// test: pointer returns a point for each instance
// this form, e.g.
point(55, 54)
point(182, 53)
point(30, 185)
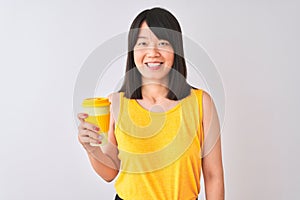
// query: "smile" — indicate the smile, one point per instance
point(154, 66)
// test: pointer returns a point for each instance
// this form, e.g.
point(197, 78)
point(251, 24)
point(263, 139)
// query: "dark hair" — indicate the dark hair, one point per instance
point(165, 26)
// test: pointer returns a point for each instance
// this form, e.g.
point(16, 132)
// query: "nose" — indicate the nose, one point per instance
point(153, 51)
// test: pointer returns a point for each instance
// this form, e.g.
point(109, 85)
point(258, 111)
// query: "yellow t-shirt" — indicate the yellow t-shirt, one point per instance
point(160, 152)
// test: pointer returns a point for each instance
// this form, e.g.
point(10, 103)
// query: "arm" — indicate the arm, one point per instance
point(104, 160)
point(212, 166)
point(106, 163)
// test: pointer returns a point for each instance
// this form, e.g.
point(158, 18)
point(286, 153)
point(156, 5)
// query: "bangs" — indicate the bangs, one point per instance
point(164, 26)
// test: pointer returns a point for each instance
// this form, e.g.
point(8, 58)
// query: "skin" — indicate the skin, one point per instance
point(212, 166)
point(150, 49)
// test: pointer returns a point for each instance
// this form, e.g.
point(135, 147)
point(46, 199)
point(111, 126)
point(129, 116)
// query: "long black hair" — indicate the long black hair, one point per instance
point(165, 26)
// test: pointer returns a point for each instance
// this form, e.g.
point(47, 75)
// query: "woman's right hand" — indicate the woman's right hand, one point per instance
point(87, 132)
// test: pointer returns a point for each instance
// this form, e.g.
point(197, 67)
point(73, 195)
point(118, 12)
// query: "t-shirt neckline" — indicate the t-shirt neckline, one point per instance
point(179, 104)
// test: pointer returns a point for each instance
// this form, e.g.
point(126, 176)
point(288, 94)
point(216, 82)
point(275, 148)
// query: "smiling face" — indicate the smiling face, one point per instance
point(153, 57)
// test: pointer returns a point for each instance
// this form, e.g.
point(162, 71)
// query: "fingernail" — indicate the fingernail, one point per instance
point(85, 115)
point(100, 137)
point(99, 142)
point(96, 129)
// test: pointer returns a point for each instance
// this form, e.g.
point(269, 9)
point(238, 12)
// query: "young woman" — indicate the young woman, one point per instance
point(162, 130)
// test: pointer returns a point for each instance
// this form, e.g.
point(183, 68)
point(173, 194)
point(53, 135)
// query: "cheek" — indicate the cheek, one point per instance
point(170, 58)
point(137, 55)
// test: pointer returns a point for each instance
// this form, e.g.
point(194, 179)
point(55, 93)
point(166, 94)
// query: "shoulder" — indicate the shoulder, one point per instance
point(207, 101)
point(203, 94)
point(112, 96)
point(210, 115)
point(207, 106)
point(114, 99)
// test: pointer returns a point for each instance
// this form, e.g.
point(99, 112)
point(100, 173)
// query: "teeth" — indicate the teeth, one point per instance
point(153, 64)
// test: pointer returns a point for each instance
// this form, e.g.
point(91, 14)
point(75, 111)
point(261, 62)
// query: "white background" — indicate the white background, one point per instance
point(43, 44)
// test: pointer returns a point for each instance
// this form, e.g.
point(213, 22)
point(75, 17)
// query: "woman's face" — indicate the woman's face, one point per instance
point(153, 57)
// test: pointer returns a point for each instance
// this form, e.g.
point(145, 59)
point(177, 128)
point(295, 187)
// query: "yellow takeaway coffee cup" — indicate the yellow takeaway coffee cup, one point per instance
point(98, 111)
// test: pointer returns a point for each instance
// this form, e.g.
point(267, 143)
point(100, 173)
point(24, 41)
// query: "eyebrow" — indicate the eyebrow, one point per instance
point(144, 37)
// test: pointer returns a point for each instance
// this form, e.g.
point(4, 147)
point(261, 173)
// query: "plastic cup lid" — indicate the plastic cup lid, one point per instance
point(95, 102)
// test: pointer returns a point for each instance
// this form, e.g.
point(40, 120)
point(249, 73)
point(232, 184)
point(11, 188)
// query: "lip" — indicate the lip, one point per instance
point(154, 62)
point(154, 68)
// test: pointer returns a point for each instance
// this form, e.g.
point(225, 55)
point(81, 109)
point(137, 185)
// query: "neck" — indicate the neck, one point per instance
point(154, 88)
point(154, 92)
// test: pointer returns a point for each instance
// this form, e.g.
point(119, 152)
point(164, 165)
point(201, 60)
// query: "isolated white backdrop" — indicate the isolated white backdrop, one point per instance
point(43, 44)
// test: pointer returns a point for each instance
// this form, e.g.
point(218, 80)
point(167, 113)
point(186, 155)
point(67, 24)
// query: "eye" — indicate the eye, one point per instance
point(142, 43)
point(164, 43)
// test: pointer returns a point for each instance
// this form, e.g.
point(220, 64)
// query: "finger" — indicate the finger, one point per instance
point(81, 127)
point(90, 134)
point(82, 116)
point(90, 140)
point(89, 126)
point(86, 125)
point(84, 133)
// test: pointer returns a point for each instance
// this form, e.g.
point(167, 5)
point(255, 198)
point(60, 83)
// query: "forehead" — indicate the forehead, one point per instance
point(145, 31)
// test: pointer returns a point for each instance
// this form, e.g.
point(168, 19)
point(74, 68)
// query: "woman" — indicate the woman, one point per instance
point(162, 130)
